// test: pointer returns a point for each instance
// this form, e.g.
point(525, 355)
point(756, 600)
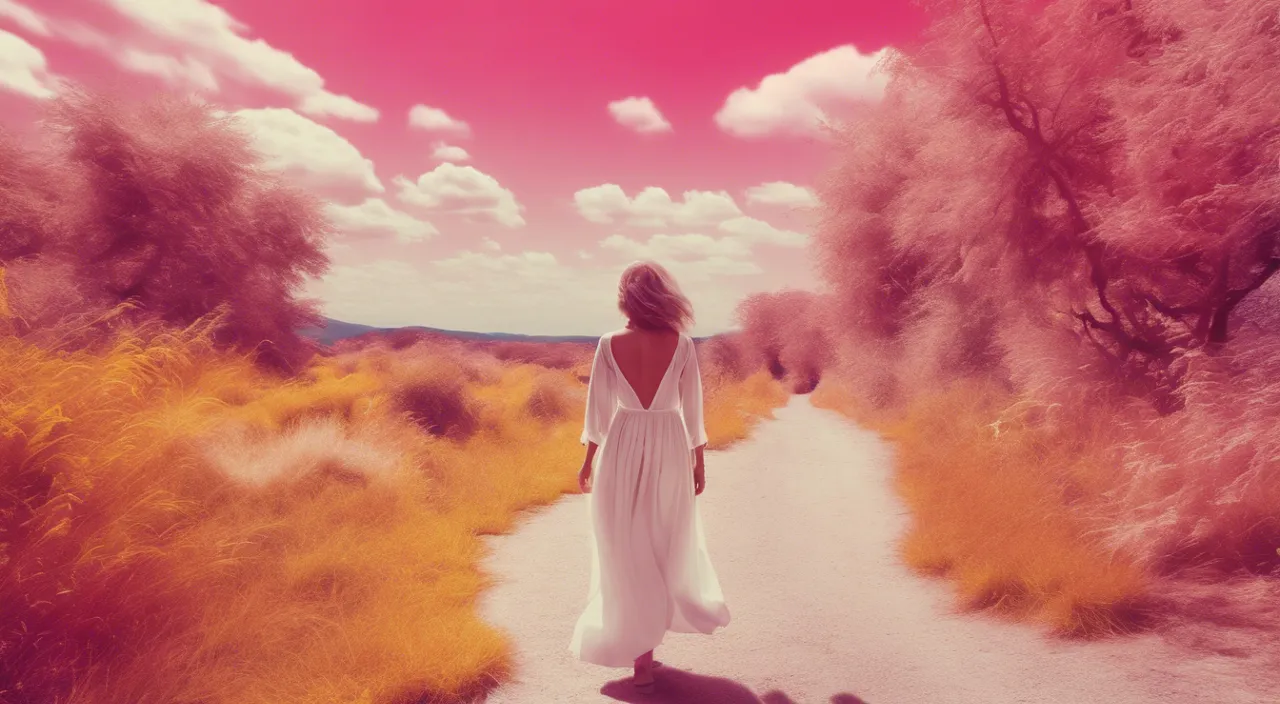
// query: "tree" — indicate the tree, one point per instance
point(165, 207)
point(786, 329)
point(1101, 164)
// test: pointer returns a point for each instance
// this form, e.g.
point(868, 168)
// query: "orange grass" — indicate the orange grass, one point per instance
point(996, 505)
point(180, 527)
point(733, 407)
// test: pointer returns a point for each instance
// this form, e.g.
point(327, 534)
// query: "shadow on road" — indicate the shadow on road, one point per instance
point(675, 686)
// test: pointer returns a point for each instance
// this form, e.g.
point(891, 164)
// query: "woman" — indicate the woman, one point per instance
point(650, 572)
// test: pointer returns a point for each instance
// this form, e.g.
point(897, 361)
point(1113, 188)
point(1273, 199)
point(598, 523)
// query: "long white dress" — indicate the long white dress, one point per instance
point(650, 571)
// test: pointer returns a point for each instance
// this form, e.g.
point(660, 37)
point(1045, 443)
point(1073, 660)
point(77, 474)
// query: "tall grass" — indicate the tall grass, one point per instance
point(739, 390)
point(1091, 523)
point(182, 526)
point(733, 408)
point(996, 507)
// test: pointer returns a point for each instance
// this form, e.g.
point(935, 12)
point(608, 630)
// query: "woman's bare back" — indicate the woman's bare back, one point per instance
point(643, 357)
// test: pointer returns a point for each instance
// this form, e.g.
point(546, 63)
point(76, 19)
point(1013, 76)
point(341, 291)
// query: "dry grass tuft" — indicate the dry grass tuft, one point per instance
point(552, 399)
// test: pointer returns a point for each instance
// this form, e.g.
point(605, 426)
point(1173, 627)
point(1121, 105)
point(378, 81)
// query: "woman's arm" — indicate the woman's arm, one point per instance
point(601, 402)
point(584, 474)
point(600, 399)
point(699, 471)
point(691, 403)
point(691, 400)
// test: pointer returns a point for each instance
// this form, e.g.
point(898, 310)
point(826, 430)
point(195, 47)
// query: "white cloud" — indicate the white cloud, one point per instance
point(432, 119)
point(668, 248)
point(782, 193)
point(639, 114)
point(798, 100)
point(86, 36)
point(307, 150)
point(449, 152)
point(689, 257)
point(755, 231)
point(374, 216)
point(490, 246)
point(23, 68)
point(525, 264)
point(462, 189)
point(523, 292)
point(205, 33)
point(171, 69)
point(653, 207)
point(526, 292)
point(709, 269)
point(25, 17)
point(335, 250)
point(182, 70)
point(343, 107)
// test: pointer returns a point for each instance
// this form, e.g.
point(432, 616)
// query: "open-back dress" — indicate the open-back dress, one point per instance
point(650, 571)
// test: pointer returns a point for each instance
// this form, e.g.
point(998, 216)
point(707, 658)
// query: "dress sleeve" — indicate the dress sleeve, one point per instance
point(691, 399)
point(602, 399)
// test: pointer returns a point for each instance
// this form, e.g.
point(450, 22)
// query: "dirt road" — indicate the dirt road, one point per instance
point(801, 526)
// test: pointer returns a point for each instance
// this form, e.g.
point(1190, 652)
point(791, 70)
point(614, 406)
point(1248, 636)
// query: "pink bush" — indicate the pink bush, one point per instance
point(162, 206)
point(728, 357)
point(554, 355)
point(786, 330)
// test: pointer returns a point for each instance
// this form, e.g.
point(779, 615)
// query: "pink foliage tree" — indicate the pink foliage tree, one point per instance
point(162, 206)
point(1080, 200)
point(785, 329)
point(1105, 166)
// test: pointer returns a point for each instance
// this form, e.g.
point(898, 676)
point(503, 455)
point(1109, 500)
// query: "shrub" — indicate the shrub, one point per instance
point(727, 357)
point(552, 399)
point(733, 408)
point(437, 402)
point(554, 355)
point(164, 206)
point(788, 330)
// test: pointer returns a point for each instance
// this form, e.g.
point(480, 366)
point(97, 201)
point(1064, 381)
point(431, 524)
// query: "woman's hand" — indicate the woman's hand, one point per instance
point(699, 478)
point(584, 474)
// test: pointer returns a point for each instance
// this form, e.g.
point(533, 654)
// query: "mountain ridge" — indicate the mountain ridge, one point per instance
point(334, 330)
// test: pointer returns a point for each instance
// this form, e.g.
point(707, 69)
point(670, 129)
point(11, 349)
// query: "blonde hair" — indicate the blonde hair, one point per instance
point(650, 297)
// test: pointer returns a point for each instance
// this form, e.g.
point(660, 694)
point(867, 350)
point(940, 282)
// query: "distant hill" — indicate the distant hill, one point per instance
point(335, 330)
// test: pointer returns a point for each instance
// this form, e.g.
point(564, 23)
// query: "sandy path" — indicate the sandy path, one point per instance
point(801, 525)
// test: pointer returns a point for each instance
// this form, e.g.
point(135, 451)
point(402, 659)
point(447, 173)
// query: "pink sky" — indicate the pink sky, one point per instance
point(510, 202)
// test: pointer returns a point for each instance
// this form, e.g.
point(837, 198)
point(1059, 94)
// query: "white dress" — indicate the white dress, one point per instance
point(650, 571)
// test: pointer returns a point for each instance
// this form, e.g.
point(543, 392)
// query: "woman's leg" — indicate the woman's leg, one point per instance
point(644, 668)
